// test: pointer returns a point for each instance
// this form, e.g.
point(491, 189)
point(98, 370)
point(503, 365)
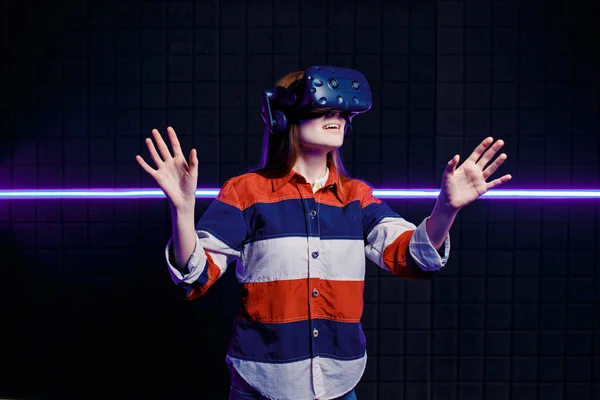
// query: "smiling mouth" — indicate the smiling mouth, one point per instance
point(330, 127)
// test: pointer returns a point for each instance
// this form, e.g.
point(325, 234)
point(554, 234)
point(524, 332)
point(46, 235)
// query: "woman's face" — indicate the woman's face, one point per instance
point(322, 133)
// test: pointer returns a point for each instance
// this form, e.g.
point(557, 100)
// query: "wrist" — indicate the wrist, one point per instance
point(182, 210)
point(442, 207)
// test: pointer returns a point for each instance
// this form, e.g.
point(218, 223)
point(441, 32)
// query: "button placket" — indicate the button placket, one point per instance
point(313, 236)
point(315, 267)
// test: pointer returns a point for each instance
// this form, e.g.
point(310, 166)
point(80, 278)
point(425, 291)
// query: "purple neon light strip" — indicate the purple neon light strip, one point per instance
point(212, 192)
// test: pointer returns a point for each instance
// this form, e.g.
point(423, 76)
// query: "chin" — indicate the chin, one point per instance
point(333, 139)
point(325, 146)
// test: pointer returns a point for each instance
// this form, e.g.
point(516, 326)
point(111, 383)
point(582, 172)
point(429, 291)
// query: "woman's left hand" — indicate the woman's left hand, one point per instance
point(463, 185)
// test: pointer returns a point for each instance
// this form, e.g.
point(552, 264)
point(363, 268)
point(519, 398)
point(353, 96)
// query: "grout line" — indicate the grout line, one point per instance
point(573, 81)
point(459, 274)
point(487, 206)
point(514, 211)
point(541, 225)
point(435, 130)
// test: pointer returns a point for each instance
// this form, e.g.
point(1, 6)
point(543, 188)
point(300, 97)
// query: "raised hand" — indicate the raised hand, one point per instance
point(177, 179)
point(463, 185)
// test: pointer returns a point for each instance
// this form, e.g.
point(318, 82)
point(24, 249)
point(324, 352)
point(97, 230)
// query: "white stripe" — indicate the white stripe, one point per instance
point(221, 254)
point(384, 233)
point(423, 252)
point(291, 258)
point(339, 376)
point(421, 249)
point(330, 378)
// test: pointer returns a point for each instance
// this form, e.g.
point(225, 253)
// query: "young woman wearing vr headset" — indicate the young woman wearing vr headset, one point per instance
point(299, 229)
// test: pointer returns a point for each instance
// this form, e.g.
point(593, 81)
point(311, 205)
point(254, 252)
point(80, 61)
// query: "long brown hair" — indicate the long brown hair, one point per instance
point(281, 151)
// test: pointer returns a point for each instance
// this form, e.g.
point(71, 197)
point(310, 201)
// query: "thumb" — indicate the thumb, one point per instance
point(451, 165)
point(194, 160)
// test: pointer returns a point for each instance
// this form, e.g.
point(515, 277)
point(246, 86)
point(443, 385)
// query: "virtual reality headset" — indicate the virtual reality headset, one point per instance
point(322, 90)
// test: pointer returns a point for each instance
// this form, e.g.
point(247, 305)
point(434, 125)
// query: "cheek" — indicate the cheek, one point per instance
point(309, 125)
point(310, 129)
point(316, 125)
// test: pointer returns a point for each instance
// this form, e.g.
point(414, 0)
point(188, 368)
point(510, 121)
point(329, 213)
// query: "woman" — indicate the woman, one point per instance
point(299, 229)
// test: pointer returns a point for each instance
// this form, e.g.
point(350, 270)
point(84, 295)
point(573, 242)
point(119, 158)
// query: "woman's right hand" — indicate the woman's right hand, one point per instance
point(177, 179)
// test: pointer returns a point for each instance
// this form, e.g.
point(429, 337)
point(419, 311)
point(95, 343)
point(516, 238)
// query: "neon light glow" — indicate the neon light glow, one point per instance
point(212, 192)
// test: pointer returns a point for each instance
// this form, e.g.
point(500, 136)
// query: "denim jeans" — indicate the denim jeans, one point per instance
point(241, 390)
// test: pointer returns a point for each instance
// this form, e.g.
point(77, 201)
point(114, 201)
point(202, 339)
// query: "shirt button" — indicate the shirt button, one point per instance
point(313, 213)
point(315, 254)
point(315, 333)
point(315, 293)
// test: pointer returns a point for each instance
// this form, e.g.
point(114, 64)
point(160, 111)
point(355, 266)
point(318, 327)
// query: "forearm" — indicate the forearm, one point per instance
point(439, 223)
point(184, 235)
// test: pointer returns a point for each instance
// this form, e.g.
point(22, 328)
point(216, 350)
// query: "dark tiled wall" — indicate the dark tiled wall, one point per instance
point(87, 305)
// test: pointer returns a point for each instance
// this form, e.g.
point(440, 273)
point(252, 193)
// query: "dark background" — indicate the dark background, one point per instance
point(88, 308)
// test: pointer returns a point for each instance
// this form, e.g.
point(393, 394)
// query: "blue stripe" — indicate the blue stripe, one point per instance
point(203, 278)
point(292, 218)
point(341, 222)
point(339, 340)
point(225, 222)
point(281, 343)
point(373, 214)
point(187, 288)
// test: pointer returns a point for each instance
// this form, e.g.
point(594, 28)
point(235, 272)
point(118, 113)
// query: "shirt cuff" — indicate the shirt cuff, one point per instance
point(423, 252)
point(193, 268)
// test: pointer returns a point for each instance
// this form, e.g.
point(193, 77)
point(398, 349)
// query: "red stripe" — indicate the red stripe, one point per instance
point(252, 188)
point(394, 257)
point(213, 274)
point(289, 300)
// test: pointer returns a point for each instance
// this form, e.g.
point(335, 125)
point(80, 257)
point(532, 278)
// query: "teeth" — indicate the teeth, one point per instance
point(331, 126)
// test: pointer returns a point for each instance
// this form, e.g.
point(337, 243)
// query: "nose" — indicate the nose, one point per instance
point(333, 114)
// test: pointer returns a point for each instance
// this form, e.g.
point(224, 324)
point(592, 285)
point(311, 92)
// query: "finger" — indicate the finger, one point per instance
point(490, 153)
point(499, 181)
point(145, 165)
point(479, 150)
point(162, 146)
point(174, 142)
point(451, 165)
point(194, 160)
point(153, 153)
point(494, 166)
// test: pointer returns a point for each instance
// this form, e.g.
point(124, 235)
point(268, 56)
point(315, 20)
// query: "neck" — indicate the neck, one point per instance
point(311, 165)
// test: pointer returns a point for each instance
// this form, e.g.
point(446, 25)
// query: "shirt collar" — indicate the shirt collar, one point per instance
point(331, 179)
point(319, 183)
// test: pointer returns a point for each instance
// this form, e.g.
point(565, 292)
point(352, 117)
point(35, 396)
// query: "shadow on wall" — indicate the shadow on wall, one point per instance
point(32, 90)
point(90, 334)
point(13, 302)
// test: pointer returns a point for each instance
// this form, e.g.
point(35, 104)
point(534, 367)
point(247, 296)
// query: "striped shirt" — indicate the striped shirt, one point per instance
point(300, 260)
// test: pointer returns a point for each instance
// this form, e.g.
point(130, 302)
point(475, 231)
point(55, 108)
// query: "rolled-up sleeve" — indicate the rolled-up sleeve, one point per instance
point(220, 233)
point(193, 268)
point(398, 245)
point(422, 251)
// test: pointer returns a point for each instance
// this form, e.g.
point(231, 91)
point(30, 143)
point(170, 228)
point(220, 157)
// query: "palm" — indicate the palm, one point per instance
point(463, 185)
point(177, 179)
point(174, 175)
